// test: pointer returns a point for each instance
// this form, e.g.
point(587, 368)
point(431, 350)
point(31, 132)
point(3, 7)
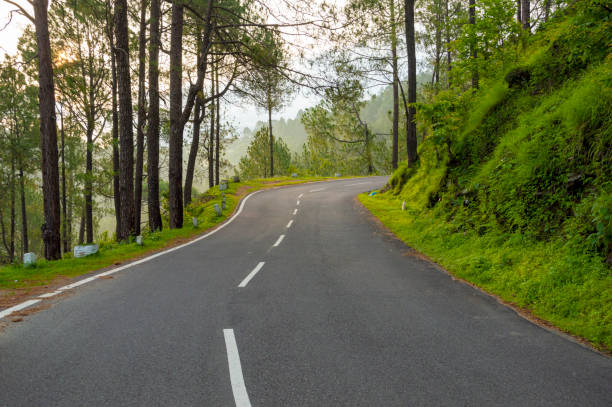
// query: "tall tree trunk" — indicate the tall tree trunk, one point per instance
point(175, 170)
point(395, 131)
point(3, 230)
point(115, 136)
point(473, 47)
point(525, 15)
point(91, 117)
point(12, 192)
point(411, 134)
point(271, 135)
point(142, 43)
point(438, 44)
point(217, 129)
point(449, 65)
point(64, 210)
point(368, 149)
point(70, 206)
point(519, 14)
point(126, 138)
point(155, 221)
point(48, 134)
point(82, 227)
point(546, 10)
point(198, 114)
point(89, 185)
point(211, 139)
point(24, 215)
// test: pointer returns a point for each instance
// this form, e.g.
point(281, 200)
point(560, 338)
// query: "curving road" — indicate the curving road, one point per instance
point(335, 313)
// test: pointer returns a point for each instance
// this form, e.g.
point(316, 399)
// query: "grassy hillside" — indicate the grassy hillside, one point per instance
point(513, 191)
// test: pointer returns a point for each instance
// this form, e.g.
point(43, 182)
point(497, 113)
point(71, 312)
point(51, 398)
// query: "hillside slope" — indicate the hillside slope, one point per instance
point(513, 191)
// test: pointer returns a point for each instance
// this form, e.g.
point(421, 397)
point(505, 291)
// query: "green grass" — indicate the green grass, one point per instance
point(570, 289)
point(17, 277)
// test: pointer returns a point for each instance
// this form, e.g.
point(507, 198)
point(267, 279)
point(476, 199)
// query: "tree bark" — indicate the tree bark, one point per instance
point(12, 192)
point(70, 206)
point(217, 129)
point(126, 137)
point(64, 209)
point(3, 230)
point(525, 15)
point(155, 221)
point(395, 131)
point(411, 132)
point(518, 11)
point(142, 43)
point(48, 134)
point(89, 182)
point(271, 135)
point(24, 217)
point(368, 149)
point(449, 65)
point(198, 114)
point(473, 48)
point(82, 228)
point(438, 44)
point(211, 139)
point(175, 171)
point(115, 135)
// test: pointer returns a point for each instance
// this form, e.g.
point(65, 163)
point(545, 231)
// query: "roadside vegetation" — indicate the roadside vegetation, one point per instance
point(513, 188)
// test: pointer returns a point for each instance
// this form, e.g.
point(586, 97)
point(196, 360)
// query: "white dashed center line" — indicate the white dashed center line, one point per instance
point(280, 239)
point(241, 396)
point(290, 223)
point(295, 211)
point(251, 275)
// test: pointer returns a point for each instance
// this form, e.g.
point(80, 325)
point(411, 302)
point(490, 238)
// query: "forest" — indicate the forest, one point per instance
point(492, 115)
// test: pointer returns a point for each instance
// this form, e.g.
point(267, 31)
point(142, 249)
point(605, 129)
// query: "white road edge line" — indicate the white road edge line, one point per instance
point(295, 211)
point(317, 190)
point(251, 275)
point(241, 396)
point(18, 307)
point(29, 303)
point(280, 239)
point(358, 183)
point(49, 295)
point(290, 223)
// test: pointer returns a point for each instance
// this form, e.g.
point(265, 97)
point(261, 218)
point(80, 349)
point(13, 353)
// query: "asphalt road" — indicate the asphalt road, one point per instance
point(339, 314)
